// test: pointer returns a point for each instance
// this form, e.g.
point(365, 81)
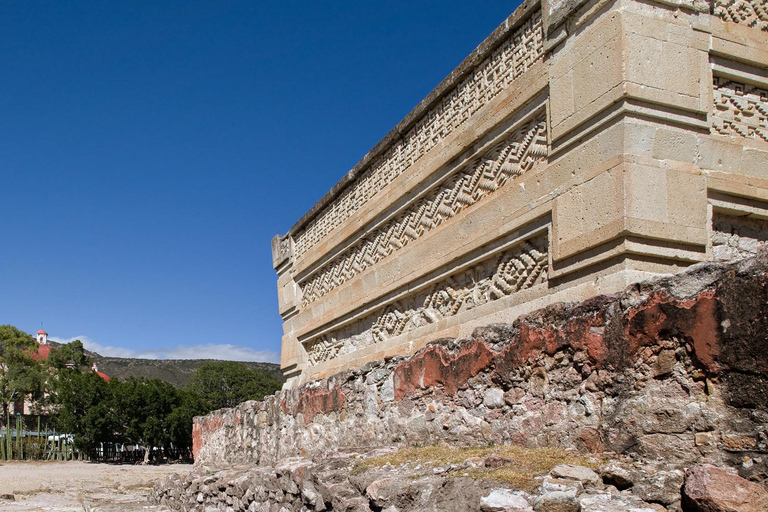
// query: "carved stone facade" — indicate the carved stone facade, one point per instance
point(577, 150)
point(753, 13)
point(740, 109)
point(501, 275)
point(514, 155)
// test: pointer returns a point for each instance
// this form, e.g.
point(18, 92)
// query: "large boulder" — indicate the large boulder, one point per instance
point(712, 489)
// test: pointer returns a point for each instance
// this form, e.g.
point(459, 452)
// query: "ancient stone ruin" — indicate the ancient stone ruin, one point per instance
point(496, 272)
point(581, 147)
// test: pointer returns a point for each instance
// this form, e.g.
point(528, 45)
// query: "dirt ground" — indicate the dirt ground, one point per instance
point(80, 486)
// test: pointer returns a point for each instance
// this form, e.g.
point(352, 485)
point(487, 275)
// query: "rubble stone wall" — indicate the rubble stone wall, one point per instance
point(671, 368)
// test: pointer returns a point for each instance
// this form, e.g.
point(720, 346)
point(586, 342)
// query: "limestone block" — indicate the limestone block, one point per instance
point(674, 144)
point(588, 214)
point(287, 293)
point(663, 71)
point(754, 163)
point(630, 200)
point(291, 352)
point(585, 71)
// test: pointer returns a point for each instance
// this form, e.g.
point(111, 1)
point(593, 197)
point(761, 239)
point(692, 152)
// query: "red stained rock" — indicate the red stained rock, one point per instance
point(202, 428)
point(663, 316)
point(591, 439)
point(711, 489)
point(319, 401)
point(436, 367)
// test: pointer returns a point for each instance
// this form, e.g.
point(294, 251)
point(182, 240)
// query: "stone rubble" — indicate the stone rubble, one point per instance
point(334, 483)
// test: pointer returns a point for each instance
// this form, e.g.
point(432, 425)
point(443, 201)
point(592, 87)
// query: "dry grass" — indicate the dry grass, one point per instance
point(518, 465)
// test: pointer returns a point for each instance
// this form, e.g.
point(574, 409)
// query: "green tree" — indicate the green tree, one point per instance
point(71, 356)
point(20, 374)
point(227, 383)
point(179, 422)
point(144, 406)
point(86, 408)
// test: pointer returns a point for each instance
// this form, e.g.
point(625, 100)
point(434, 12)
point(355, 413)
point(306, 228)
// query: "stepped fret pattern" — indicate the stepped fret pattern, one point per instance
point(513, 156)
point(753, 13)
point(740, 109)
point(504, 274)
point(524, 47)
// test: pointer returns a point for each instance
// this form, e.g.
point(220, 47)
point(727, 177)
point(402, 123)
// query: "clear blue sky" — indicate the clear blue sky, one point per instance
point(149, 151)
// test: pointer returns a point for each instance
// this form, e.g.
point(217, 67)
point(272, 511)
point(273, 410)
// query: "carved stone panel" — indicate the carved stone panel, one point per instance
point(511, 157)
point(500, 275)
point(753, 13)
point(740, 109)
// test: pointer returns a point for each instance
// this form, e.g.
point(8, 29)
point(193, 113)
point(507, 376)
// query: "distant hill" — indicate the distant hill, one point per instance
point(175, 371)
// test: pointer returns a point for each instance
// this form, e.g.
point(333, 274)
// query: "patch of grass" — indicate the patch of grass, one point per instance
point(517, 465)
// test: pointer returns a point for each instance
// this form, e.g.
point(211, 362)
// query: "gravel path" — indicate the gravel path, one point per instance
point(80, 486)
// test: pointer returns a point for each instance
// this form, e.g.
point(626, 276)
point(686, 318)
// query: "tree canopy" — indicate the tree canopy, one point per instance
point(227, 384)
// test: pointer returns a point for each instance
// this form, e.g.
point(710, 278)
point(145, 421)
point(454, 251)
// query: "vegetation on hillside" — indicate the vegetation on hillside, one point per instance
point(134, 411)
point(174, 371)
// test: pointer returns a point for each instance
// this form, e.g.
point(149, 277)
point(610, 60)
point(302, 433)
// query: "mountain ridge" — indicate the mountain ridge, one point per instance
point(177, 372)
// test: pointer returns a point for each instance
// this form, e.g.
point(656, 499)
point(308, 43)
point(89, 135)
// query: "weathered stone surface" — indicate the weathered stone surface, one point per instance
point(580, 375)
point(712, 489)
point(505, 500)
point(606, 502)
point(556, 501)
point(618, 476)
point(660, 487)
point(578, 473)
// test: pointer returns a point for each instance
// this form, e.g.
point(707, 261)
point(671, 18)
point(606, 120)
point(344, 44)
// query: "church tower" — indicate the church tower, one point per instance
point(42, 337)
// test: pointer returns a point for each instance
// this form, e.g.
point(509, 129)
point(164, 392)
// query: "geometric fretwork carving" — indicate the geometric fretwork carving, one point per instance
point(503, 274)
point(740, 109)
point(515, 154)
point(753, 13)
point(516, 54)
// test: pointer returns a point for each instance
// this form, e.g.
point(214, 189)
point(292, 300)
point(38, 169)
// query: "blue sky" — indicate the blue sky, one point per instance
point(149, 151)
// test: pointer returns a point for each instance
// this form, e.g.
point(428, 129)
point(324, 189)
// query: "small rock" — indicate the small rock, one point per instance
point(556, 501)
point(493, 398)
point(711, 489)
point(572, 487)
point(614, 503)
point(573, 472)
point(388, 389)
point(618, 476)
point(504, 500)
point(665, 363)
point(660, 487)
point(7, 497)
point(475, 462)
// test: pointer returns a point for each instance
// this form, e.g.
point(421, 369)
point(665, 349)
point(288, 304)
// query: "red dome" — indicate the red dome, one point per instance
point(41, 332)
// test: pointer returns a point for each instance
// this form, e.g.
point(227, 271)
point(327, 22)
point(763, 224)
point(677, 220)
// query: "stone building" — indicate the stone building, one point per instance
point(584, 145)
